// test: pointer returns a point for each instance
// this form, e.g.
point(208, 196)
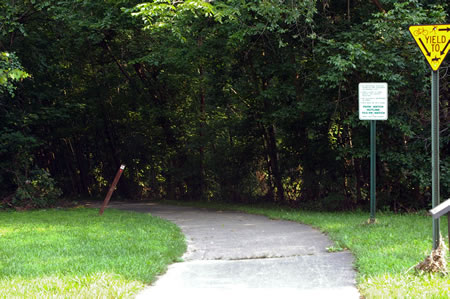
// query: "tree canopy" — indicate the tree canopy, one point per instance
point(227, 100)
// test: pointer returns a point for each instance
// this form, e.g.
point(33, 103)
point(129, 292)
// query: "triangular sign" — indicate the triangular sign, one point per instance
point(433, 41)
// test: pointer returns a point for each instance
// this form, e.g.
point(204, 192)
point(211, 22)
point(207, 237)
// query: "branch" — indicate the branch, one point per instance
point(378, 4)
point(119, 65)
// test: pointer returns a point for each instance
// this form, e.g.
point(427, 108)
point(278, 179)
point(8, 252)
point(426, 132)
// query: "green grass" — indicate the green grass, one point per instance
point(75, 253)
point(385, 252)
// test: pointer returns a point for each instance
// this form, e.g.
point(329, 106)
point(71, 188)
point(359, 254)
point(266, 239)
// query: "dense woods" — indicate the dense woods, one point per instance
point(227, 100)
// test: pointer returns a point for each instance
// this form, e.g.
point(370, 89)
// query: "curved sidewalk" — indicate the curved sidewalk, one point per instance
point(242, 255)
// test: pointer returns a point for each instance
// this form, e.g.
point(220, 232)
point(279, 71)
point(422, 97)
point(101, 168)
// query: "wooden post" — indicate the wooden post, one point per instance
point(111, 189)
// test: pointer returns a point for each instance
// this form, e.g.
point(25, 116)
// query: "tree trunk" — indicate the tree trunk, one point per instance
point(272, 153)
point(202, 128)
point(356, 165)
point(83, 169)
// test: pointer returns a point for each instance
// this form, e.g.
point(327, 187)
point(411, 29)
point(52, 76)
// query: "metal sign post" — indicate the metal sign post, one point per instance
point(373, 168)
point(434, 43)
point(373, 106)
point(435, 192)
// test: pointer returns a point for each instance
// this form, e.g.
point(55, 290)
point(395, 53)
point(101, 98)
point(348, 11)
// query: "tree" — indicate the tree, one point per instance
point(220, 100)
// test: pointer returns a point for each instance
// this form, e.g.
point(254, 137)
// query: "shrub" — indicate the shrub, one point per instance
point(37, 191)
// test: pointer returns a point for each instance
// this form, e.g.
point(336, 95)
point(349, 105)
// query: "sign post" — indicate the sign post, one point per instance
point(434, 42)
point(373, 169)
point(435, 192)
point(373, 106)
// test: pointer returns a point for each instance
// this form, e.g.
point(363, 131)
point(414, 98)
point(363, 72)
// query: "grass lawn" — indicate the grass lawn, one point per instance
point(384, 252)
point(75, 253)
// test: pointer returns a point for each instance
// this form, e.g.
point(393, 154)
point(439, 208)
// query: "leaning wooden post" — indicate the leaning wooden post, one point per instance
point(112, 188)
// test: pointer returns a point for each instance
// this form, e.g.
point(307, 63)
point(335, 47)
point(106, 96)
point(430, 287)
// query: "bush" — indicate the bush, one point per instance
point(37, 191)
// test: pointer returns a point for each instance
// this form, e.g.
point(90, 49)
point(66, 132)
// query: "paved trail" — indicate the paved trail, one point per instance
point(232, 254)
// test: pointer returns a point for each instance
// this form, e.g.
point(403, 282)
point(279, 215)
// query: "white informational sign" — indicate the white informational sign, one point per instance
point(373, 101)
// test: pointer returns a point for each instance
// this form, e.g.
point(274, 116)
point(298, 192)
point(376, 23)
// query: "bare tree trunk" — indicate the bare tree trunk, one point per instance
point(356, 164)
point(348, 10)
point(83, 169)
point(202, 128)
point(272, 152)
point(270, 177)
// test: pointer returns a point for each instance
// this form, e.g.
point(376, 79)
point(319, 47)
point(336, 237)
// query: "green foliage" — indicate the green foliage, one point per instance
point(230, 100)
point(377, 48)
point(37, 191)
point(10, 72)
point(75, 252)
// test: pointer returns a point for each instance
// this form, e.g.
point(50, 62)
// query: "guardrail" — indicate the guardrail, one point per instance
point(440, 210)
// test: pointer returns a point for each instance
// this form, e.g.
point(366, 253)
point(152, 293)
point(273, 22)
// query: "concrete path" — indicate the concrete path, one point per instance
point(243, 256)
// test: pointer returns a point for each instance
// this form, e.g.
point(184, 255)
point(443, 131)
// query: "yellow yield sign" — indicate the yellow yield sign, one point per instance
point(433, 41)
